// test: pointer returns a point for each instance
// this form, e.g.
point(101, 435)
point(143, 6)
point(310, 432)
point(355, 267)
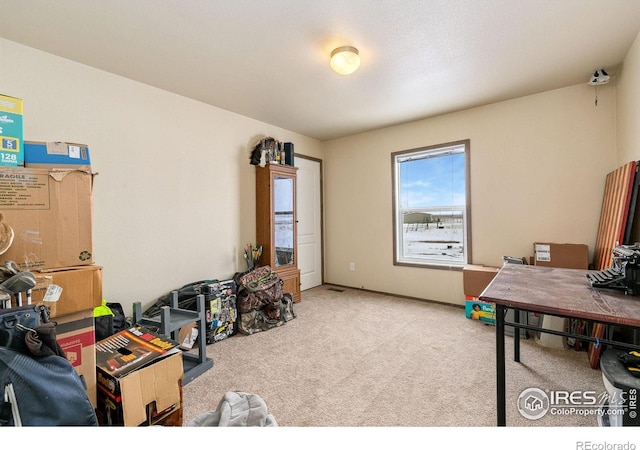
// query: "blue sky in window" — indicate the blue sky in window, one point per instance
point(429, 182)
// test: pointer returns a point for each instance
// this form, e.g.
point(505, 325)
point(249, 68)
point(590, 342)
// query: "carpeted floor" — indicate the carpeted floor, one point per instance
point(353, 358)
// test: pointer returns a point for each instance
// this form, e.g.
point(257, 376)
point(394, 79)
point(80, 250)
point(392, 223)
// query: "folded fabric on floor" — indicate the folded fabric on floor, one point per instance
point(237, 409)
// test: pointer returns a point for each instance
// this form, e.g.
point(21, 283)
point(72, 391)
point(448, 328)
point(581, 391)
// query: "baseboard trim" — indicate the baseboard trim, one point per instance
point(408, 297)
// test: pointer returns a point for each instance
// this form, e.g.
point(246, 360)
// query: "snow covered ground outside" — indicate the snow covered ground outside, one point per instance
point(444, 243)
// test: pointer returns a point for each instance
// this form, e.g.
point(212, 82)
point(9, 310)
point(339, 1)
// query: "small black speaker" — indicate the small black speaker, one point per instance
point(288, 153)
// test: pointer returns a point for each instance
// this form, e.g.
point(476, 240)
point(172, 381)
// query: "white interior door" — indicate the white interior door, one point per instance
point(309, 199)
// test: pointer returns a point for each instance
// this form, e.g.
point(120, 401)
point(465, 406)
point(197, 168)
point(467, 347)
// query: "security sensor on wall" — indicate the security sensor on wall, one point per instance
point(599, 77)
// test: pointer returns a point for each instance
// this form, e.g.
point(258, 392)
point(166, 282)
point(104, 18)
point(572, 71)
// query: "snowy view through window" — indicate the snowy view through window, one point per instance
point(440, 237)
point(431, 206)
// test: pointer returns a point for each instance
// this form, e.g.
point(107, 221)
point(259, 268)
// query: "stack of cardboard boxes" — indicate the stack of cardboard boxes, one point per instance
point(46, 198)
point(475, 279)
point(50, 214)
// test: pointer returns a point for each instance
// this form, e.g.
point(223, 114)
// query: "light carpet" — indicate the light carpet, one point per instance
point(354, 358)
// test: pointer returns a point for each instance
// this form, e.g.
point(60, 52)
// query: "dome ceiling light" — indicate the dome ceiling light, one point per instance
point(345, 60)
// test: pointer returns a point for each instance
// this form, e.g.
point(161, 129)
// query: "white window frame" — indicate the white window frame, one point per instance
point(452, 213)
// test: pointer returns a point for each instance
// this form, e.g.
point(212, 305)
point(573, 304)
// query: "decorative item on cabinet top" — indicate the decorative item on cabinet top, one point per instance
point(271, 151)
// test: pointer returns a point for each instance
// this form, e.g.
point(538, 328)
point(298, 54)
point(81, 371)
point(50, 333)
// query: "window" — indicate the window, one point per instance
point(431, 206)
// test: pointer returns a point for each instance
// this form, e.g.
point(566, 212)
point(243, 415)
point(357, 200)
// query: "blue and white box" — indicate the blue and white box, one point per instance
point(56, 155)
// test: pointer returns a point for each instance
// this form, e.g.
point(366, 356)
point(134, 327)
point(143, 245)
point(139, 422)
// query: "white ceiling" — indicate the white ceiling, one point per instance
point(268, 59)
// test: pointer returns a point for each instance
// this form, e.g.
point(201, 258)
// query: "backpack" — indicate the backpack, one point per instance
point(38, 384)
point(109, 319)
point(42, 391)
point(260, 288)
point(262, 304)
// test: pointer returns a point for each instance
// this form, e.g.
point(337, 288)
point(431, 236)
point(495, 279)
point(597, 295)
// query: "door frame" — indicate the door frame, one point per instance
point(321, 166)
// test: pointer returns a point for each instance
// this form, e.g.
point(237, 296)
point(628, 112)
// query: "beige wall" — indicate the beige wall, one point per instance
point(538, 166)
point(174, 198)
point(628, 100)
point(628, 115)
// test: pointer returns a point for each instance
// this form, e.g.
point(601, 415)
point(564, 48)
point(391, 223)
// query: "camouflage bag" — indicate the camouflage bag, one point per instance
point(255, 321)
point(261, 302)
point(276, 315)
point(259, 289)
point(286, 309)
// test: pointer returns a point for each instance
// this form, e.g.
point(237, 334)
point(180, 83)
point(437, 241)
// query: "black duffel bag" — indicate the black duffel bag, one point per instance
point(187, 299)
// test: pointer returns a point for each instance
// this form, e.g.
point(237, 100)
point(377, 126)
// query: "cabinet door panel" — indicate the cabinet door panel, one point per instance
point(284, 220)
point(291, 283)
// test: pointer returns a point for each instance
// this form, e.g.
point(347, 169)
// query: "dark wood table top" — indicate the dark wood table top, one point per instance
point(561, 292)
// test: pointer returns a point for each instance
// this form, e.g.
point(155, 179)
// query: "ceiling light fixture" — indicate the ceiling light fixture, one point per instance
point(599, 77)
point(345, 60)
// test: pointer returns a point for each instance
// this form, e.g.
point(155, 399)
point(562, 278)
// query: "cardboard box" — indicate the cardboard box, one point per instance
point(79, 289)
point(42, 284)
point(50, 212)
point(57, 155)
point(476, 278)
point(139, 376)
point(11, 132)
point(76, 335)
point(568, 256)
point(478, 310)
point(187, 336)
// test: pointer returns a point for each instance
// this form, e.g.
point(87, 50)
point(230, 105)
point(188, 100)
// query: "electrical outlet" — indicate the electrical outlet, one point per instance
point(352, 266)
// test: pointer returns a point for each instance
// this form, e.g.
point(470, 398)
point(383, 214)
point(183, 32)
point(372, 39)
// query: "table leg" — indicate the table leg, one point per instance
point(500, 366)
point(516, 336)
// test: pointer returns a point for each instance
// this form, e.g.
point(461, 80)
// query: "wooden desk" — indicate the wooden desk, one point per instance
point(558, 292)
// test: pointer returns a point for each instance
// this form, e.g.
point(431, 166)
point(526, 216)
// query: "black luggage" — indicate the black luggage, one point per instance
point(221, 309)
